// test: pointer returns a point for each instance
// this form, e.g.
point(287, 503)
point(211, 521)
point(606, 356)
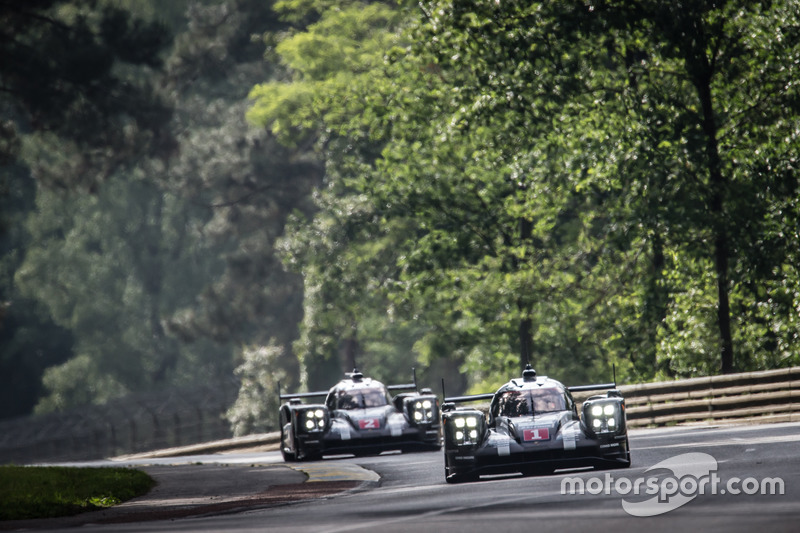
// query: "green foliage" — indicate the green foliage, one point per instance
point(75, 70)
point(93, 254)
point(256, 407)
point(46, 492)
point(461, 186)
point(29, 340)
point(332, 64)
point(578, 185)
point(161, 267)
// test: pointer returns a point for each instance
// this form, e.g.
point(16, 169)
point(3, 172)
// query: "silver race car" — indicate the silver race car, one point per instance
point(359, 416)
point(533, 427)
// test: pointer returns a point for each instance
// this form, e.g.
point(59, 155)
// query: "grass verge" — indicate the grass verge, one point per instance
point(51, 491)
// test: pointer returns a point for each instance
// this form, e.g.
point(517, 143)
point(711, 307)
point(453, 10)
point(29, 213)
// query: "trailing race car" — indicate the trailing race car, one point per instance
point(533, 427)
point(359, 417)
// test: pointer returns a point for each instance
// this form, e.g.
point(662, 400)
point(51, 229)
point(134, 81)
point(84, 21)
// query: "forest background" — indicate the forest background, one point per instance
point(278, 191)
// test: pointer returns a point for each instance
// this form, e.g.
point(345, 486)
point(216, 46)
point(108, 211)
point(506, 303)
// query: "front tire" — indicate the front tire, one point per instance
point(624, 463)
point(288, 456)
point(452, 476)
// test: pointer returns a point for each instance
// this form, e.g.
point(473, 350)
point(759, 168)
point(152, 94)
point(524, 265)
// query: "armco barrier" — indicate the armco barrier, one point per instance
point(751, 397)
point(193, 423)
point(132, 424)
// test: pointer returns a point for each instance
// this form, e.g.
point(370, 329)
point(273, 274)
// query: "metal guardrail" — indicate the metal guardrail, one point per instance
point(190, 425)
point(133, 424)
point(260, 441)
point(752, 397)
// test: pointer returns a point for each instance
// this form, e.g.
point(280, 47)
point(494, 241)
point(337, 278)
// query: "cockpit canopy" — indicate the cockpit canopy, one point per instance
point(527, 402)
point(358, 398)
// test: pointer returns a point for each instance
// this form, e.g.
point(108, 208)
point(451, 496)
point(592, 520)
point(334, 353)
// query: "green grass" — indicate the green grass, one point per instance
point(51, 491)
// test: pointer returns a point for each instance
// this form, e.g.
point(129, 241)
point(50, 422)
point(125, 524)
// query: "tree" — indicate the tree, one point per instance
point(727, 61)
point(246, 181)
point(340, 253)
point(167, 269)
point(70, 77)
point(257, 404)
point(72, 71)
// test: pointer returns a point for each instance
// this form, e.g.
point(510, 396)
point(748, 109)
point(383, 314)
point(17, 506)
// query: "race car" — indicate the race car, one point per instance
point(360, 417)
point(532, 427)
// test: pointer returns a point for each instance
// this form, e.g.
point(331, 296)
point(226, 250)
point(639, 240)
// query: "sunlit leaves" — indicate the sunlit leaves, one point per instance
point(544, 168)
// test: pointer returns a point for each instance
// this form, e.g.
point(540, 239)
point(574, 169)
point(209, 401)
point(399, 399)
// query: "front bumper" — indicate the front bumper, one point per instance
point(492, 459)
point(375, 441)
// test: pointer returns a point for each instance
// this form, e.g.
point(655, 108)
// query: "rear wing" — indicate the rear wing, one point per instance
point(469, 398)
point(490, 395)
point(320, 394)
point(599, 386)
point(298, 395)
point(406, 386)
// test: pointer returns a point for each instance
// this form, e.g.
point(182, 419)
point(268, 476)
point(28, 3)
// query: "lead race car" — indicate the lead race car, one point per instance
point(359, 416)
point(533, 427)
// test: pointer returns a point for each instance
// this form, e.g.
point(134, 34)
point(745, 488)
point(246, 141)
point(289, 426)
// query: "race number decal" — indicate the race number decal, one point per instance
point(536, 434)
point(369, 423)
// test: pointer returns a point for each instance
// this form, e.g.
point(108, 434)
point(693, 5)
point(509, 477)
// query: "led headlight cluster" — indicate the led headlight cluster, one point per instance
point(466, 429)
point(314, 420)
point(423, 411)
point(603, 417)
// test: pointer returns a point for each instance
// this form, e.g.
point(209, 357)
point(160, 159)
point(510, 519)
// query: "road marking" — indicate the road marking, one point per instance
point(335, 472)
point(732, 442)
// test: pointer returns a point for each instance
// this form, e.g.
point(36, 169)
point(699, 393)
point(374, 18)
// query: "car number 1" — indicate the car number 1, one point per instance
point(536, 434)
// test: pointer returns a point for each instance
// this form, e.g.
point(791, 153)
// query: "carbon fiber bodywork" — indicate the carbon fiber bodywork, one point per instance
point(359, 416)
point(533, 427)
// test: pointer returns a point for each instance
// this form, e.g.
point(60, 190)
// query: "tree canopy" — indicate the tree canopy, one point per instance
point(570, 182)
point(267, 192)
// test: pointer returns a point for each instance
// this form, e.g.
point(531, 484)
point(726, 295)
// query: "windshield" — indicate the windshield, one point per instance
point(528, 402)
point(361, 398)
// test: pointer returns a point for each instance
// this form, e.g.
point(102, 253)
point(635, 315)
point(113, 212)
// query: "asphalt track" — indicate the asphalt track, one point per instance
point(727, 479)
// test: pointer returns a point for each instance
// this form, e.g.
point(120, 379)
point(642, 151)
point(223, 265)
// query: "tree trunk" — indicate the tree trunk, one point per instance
point(350, 349)
point(525, 340)
point(718, 185)
point(524, 305)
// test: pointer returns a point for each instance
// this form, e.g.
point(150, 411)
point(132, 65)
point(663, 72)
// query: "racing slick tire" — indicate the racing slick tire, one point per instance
point(625, 463)
point(289, 457)
point(457, 477)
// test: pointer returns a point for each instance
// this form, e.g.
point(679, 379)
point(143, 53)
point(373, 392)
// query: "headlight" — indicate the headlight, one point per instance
point(315, 420)
point(602, 417)
point(467, 429)
point(421, 411)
